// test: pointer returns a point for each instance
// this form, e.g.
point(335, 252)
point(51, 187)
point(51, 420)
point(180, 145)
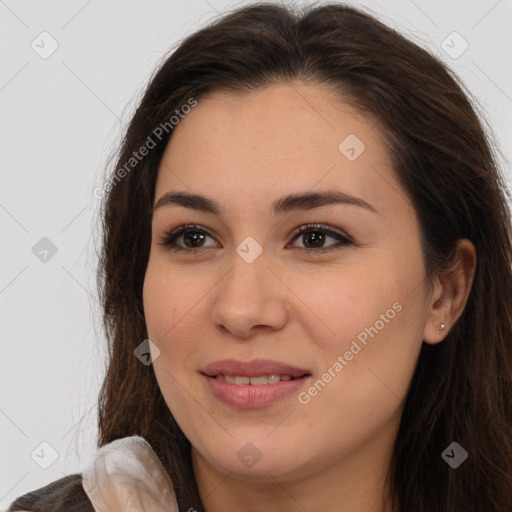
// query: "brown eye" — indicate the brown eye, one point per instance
point(314, 237)
point(193, 238)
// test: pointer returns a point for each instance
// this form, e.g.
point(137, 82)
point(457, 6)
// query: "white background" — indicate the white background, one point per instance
point(60, 118)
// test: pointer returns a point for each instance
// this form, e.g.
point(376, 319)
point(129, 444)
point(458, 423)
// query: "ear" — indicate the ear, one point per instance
point(450, 293)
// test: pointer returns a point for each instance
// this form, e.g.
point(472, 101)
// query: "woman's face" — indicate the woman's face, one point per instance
point(334, 332)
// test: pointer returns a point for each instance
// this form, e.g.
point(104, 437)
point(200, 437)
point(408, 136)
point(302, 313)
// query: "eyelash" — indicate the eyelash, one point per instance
point(169, 238)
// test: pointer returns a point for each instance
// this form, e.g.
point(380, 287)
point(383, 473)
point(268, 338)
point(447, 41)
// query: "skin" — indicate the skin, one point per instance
point(245, 151)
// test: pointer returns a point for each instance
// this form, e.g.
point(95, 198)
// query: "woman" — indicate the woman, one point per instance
point(256, 363)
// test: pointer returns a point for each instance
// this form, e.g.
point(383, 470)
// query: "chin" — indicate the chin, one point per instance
point(261, 460)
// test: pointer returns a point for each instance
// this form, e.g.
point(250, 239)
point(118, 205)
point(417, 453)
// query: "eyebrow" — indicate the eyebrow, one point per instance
point(301, 201)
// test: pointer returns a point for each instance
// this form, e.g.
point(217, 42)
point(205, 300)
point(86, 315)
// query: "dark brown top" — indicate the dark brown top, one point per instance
point(63, 495)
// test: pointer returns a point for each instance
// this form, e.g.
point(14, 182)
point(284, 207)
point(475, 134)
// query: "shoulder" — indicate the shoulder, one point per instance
point(64, 495)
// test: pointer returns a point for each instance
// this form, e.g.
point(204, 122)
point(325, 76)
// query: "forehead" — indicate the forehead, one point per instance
point(291, 137)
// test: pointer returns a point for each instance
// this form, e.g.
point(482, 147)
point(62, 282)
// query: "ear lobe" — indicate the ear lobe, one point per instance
point(450, 293)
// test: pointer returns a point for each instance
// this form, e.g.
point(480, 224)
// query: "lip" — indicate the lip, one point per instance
point(247, 396)
point(252, 368)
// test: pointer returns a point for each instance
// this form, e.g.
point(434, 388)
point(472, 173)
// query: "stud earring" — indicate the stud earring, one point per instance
point(441, 327)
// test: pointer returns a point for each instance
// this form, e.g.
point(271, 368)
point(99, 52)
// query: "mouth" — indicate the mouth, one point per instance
point(252, 384)
point(260, 380)
point(257, 368)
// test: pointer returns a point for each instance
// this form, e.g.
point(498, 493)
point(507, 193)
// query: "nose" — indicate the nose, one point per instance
point(250, 297)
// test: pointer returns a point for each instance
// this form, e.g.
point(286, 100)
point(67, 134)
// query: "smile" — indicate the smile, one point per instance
point(253, 381)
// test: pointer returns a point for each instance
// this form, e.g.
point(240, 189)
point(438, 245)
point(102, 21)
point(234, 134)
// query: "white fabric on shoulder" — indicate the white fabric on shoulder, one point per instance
point(127, 475)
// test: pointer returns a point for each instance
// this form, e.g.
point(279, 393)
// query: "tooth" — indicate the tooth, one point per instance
point(258, 381)
point(255, 381)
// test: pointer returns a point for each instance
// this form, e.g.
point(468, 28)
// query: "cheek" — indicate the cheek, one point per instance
point(368, 329)
point(164, 306)
point(350, 304)
point(167, 303)
point(171, 308)
point(369, 361)
point(364, 376)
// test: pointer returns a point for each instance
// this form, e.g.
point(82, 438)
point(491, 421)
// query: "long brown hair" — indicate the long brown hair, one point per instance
point(444, 158)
